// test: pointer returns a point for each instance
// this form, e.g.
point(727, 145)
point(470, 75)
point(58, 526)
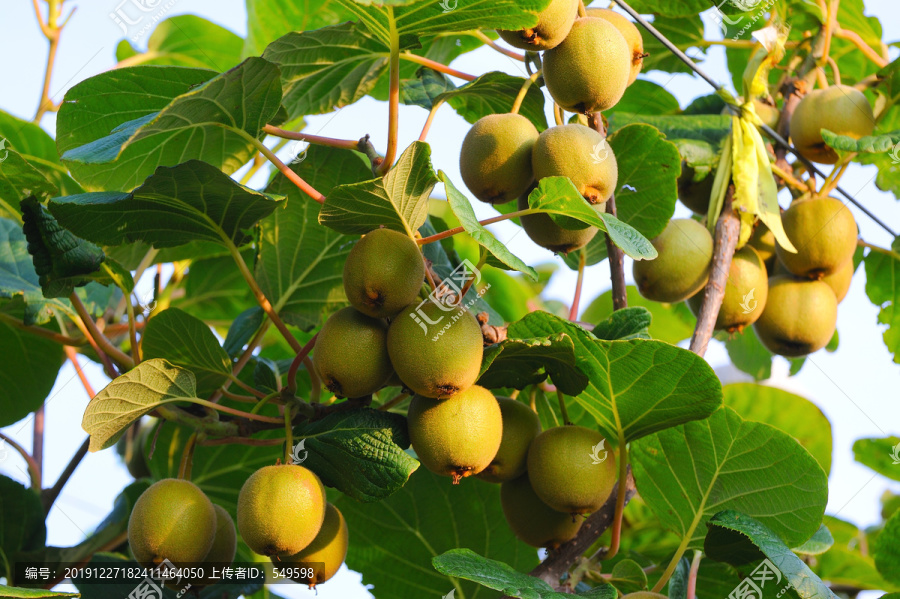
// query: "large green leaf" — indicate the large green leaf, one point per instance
point(883, 289)
point(21, 524)
point(496, 575)
point(268, 20)
point(749, 355)
point(301, 263)
point(739, 539)
point(671, 323)
point(30, 367)
point(669, 8)
point(19, 180)
point(177, 205)
point(684, 29)
point(211, 122)
point(646, 97)
point(495, 92)
point(399, 201)
point(34, 145)
point(215, 291)
point(632, 322)
point(881, 455)
point(795, 415)
point(689, 473)
point(518, 363)
point(128, 397)
point(635, 387)
point(186, 41)
point(187, 342)
point(395, 540)
point(887, 550)
point(358, 452)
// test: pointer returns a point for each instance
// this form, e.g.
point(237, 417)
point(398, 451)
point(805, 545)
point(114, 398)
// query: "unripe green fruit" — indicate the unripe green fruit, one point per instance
point(582, 155)
point(841, 109)
point(746, 291)
point(459, 436)
point(682, 268)
point(520, 426)
point(280, 509)
point(328, 548)
point(799, 318)
point(495, 159)
point(435, 353)
point(763, 241)
point(839, 280)
point(590, 70)
point(824, 233)
point(351, 354)
point(172, 520)
point(533, 521)
point(553, 25)
point(547, 234)
point(631, 34)
point(223, 548)
point(383, 273)
point(563, 472)
point(695, 194)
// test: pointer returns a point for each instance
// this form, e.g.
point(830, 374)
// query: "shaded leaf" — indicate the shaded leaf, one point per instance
point(518, 363)
point(242, 330)
point(817, 544)
point(671, 323)
point(887, 550)
point(22, 526)
point(19, 180)
point(30, 367)
point(494, 93)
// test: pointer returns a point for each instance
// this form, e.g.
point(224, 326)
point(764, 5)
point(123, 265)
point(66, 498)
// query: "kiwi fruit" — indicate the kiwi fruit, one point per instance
point(799, 317)
point(351, 354)
point(546, 233)
point(383, 273)
point(520, 426)
point(841, 109)
point(533, 521)
point(436, 352)
point(694, 192)
point(224, 546)
point(552, 27)
point(763, 241)
point(495, 159)
point(280, 509)
point(563, 472)
point(631, 34)
point(172, 520)
point(456, 437)
point(582, 155)
point(590, 70)
point(839, 280)
point(824, 233)
point(682, 267)
point(329, 548)
point(746, 290)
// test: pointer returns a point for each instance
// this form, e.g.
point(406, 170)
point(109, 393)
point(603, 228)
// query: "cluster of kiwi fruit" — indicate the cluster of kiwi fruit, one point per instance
point(588, 63)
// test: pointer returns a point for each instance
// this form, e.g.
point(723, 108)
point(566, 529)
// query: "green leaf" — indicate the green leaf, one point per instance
point(399, 201)
point(518, 363)
point(268, 20)
point(817, 544)
point(214, 289)
point(738, 539)
point(628, 577)
point(887, 550)
point(18, 278)
point(684, 29)
point(301, 264)
point(426, 518)
point(242, 330)
point(626, 323)
point(30, 367)
point(421, 17)
point(424, 89)
point(494, 93)
point(358, 452)
point(186, 41)
point(496, 575)
point(128, 397)
point(646, 97)
point(177, 205)
point(22, 526)
point(669, 8)
point(19, 593)
point(883, 289)
point(881, 455)
point(61, 260)
point(671, 323)
point(749, 355)
point(845, 564)
point(328, 68)
point(793, 414)
point(871, 144)
point(34, 145)
point(637, 387)
point(187, 342)
point(19, 180)
point(466, 215)
point(211, 122)
point(728, 463)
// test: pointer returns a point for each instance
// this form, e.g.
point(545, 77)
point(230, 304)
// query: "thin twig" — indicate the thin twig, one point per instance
point(428, 121)
point(33, 469)
point(345, 144)
point(431, 64)
point(37, 441)
point(523, 92)
point(393, 98)
point(105, 344)
point(286, 171)
point(393, 402)
point(856, 40)
point(295, 364)
point(579, 283)
point(42, 332)
point(49, 496)
point(488, 41)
